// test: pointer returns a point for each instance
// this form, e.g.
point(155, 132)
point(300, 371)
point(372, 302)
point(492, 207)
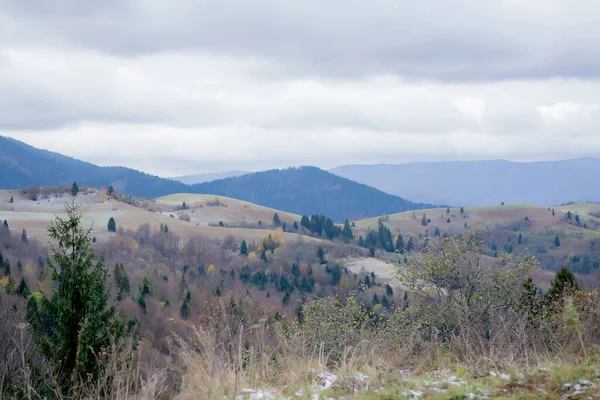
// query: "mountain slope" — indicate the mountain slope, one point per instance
point(304, 190)
point(23, 165)
point(308, 190)
point(472, 183)
point(211, 176)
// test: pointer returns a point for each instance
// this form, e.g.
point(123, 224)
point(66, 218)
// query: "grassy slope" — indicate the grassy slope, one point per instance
point(34, 216)
point(499, 219)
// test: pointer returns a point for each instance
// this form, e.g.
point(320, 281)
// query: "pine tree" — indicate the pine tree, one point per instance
point(110, 190)
point(462, 210)
point(520, 239)
point(12, 200)
point(112, 225)
point(296, 225)
point(424, 220)
point(276, 220)
point(286, 298)
point(437, 232)
point(244, 248)
point(556, 242)
point(24, 236)
point(5, 223)
point(184, 206)
point(448, 210)
point(82, 322)
point(74, 189)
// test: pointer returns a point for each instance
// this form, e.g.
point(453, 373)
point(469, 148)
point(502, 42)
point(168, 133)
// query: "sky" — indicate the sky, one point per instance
point(188, 86)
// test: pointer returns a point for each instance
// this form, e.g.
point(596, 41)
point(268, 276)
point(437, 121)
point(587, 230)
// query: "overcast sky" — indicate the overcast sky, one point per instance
point(185, 86)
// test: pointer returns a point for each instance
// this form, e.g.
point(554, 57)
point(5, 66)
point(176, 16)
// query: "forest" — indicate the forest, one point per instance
point(150, 315)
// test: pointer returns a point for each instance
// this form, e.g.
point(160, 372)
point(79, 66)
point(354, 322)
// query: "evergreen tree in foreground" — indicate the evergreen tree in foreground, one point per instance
point(76, 323)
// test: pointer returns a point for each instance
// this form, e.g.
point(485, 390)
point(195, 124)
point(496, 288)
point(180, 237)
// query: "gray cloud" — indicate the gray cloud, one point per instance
point(466, 40)
point(191, 86)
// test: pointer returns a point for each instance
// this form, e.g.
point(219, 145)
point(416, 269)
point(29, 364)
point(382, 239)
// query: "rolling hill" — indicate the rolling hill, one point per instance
point(474, 183)
point(308, 190)
point(520, 229)
point(305, 190)
point(23, 165)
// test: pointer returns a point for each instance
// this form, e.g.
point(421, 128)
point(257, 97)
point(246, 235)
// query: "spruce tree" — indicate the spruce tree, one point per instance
point(556, 242)
point(186, 306)
point(564, 280)
point(424, 220)
point(347, 231)
point(74, 189)
point(23, 289)
point(24, 236)
point(81, 322)
point(375, 299)
point(385, 302)
point(530, 299)
point(276, 220)
point(400, 244)
point(388, 290)
point(321, 255)
point(520, 239)
point(112, 225)
point(244, 248)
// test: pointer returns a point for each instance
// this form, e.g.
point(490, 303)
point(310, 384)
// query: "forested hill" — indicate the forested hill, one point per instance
point(23, 165)
point(308, 190)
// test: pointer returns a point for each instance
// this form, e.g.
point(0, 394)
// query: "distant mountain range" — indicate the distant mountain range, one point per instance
point(304, 190)
point(472, 183)
point(207, 177)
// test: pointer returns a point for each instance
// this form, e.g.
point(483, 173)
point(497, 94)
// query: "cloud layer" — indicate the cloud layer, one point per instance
point(189, 86)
